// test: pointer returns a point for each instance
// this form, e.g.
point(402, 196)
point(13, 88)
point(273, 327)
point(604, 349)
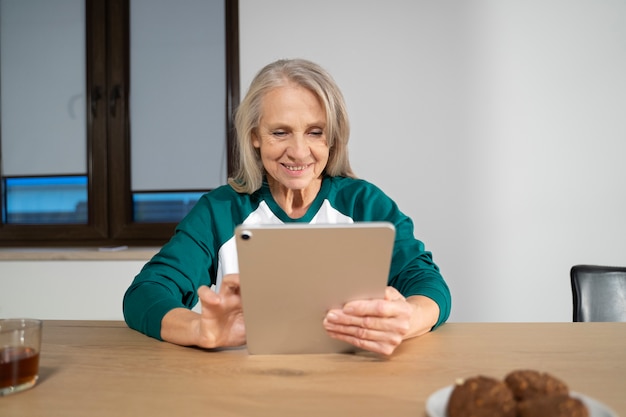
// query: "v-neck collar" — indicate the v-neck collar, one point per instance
point(266, 195)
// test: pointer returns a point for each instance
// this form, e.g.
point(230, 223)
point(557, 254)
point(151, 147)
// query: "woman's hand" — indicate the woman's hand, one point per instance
point(220, 323)
point(381, 325)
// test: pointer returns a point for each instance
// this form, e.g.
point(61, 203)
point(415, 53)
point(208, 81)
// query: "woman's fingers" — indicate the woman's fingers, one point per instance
point(374, 325)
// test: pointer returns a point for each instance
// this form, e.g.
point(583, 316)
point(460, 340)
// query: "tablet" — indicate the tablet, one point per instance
point(292, 274)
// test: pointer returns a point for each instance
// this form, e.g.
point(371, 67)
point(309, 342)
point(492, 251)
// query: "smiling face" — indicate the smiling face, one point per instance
point(291, 138)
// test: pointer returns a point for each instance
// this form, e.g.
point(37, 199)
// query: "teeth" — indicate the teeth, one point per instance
point(300, 168)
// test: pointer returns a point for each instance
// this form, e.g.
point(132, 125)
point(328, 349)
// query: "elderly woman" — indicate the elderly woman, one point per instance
point(292, 137)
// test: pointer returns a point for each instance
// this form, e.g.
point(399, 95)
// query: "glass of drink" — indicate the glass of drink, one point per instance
point(20, 344)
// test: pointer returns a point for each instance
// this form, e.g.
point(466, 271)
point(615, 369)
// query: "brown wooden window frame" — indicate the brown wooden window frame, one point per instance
point(110, 217)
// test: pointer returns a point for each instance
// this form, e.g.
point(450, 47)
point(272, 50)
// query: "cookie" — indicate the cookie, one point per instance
point(554, 406)
point(481, 396)
point(527, 384)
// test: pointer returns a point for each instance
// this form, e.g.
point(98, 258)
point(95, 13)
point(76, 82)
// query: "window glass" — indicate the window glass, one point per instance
point(177, 82)
point(43, 138)
point(163, 207)
point(45, 200)
point(42, 87)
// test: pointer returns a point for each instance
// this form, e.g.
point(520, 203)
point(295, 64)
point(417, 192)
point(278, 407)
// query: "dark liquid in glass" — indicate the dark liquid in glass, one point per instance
point(18, 365)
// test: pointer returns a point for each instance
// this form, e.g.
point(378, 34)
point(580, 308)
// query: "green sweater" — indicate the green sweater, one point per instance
point(203, 250)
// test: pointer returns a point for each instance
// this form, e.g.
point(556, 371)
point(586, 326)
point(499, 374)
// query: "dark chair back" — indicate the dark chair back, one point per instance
point(599, 293)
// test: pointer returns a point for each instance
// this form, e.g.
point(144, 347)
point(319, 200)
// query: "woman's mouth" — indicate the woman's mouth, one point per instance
point(296, 167)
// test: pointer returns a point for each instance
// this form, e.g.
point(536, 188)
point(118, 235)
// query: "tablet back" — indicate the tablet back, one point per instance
point(292, 274)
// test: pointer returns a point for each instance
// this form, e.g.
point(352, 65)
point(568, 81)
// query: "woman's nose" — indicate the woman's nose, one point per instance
point(298, 147)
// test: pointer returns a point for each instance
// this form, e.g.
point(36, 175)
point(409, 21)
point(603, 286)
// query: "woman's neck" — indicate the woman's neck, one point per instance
point(294, 203)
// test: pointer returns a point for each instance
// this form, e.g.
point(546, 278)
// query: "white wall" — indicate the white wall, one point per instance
point(498, 125)
point(88, 290)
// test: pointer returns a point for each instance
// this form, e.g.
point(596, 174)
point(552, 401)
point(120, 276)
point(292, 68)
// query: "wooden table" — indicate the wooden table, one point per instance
point(94, 368)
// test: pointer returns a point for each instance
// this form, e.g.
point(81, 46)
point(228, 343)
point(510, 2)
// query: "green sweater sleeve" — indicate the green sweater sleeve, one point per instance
point(172, 277)
point(413, 271)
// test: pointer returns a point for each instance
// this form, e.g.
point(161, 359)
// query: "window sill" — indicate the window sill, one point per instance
point(78, 254)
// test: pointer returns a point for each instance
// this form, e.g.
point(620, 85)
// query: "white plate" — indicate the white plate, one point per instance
point(437, 402)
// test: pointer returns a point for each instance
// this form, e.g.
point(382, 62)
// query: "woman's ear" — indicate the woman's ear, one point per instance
point(256, 141)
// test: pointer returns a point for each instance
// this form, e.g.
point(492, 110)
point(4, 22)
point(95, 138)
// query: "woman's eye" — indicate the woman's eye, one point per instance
point(279, 133)
point(316, 133)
